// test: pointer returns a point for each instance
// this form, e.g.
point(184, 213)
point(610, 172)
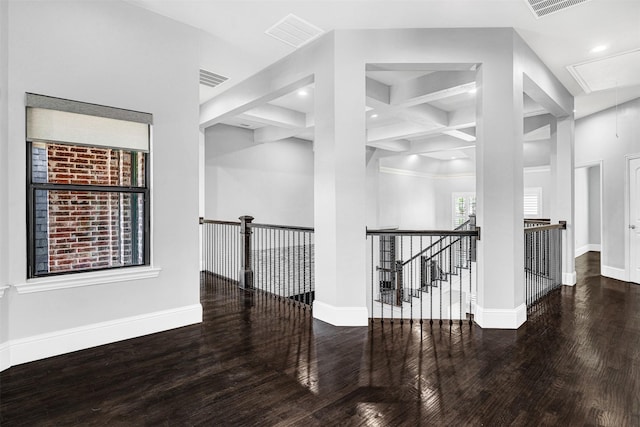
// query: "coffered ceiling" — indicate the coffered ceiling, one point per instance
point(591, 46)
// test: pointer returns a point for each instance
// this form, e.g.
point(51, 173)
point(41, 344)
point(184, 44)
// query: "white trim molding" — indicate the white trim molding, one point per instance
point(569, 279)
point(615, 273)
point(537, 169)
point(626, 276)
point(51, 344)
point(495, 318)
point(87, 279)
point(417, 174)
point(591, 247)
point(2, 289)
point(340, 316)
point(405, 172)
point(5, 359)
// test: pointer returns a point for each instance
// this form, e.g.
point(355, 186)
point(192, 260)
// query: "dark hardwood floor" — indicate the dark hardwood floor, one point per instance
point(576, 362)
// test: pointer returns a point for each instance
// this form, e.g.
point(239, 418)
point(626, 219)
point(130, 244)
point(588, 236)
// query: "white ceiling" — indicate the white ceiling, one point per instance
point(562, 39)
point(438, 119)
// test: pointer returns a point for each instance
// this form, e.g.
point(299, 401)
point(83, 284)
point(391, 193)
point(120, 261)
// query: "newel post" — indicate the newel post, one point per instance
point(246, 273)
point(472, 226)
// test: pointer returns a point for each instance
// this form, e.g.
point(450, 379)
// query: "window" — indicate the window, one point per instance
point(88, 193)
point(533, 202)
point(464, 204)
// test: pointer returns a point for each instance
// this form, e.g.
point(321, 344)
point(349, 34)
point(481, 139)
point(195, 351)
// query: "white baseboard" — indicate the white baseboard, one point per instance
point(5, 359)
point(492, 318)
point(591, 247)
point(65, 341)
point(614, 273)
point(340, 316)
point(569, 279)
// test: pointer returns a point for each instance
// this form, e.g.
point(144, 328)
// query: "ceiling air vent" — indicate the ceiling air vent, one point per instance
point(542, 8)
point(210, 79)
point(294, 31)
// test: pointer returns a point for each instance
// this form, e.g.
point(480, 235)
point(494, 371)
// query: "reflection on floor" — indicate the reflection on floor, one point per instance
point(256, 360)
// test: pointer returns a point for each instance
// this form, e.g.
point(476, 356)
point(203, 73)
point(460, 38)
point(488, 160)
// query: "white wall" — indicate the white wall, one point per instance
point(594, 207)
point(115, 54)
point(540, 177)
point(608, 136)
point(4, 280)
point(272, 182)
point(407, 202)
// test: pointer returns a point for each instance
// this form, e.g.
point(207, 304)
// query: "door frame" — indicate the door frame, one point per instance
point(627, 214)
point(599, 164)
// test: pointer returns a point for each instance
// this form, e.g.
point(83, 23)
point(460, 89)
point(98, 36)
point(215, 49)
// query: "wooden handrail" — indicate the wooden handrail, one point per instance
point(215, 221)
point(562, 225)
point(282, 227)
point(473, 233)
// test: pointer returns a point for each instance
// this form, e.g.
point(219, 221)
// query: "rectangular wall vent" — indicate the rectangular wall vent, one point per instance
point(294, 31)
point(210, 79)
point(542, 8)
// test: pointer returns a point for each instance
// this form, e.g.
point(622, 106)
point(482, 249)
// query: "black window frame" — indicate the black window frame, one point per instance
point(33, 187)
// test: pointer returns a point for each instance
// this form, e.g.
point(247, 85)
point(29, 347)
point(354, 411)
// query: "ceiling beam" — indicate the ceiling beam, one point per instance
point(538, 95)
point(431, 87)
point(397, 131)
point(275, 133)
point(241, 98)
point(443, 143)
point(378, 94)
point(533, 123)
point(460, 135)
point(274, 115)
point(395, 146)
point(424, 114)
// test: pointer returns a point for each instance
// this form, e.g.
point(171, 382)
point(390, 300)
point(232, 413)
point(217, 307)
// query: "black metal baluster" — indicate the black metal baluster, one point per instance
point(304, 263)
point(460, 271)
point(430, 283)
point(450, 280)
point(421, 284)
point(440, 284)
point(470, 281)
point(411, 283)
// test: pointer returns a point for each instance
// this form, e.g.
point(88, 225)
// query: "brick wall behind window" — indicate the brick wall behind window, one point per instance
point(88, 230)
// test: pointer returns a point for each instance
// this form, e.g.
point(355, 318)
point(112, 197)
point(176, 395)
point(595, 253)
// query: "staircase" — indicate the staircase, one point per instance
point(437, 281)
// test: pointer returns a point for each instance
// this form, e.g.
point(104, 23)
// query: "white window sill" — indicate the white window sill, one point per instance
point(2, 289)
point(87, 279)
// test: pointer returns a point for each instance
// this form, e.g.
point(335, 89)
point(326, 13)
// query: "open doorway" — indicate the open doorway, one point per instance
point(588, 209)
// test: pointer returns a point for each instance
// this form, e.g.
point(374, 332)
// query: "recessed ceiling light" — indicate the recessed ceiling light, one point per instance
point(599, 48)
point(374, 116)
point(303, 92)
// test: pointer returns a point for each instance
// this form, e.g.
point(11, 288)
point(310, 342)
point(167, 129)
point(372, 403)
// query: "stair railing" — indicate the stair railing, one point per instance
point(275, 259)
point(542, 259)
point(435, 282)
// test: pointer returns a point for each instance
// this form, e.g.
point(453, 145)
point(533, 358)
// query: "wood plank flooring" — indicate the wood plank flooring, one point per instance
point(257, 361)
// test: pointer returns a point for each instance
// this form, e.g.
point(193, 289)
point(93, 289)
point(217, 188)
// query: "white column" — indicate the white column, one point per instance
point(4, 143)
point(562, 196)
point(499, 193)
point(339, 191)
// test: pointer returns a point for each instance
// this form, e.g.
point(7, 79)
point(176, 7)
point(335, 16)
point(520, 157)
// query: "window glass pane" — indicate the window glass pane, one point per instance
point(88, 230)
point(79, 165)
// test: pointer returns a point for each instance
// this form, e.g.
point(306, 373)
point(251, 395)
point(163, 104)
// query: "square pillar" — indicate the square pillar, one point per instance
point(499, 194)
point(340, 190)
point(562, 184)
